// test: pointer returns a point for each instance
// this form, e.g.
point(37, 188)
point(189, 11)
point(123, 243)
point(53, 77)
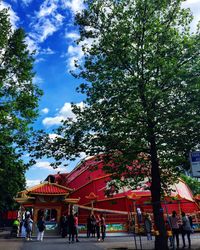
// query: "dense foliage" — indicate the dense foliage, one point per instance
point(193, 183)
point(18, 108)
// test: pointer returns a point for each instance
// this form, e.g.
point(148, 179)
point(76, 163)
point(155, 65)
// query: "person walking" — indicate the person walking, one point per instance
point(41, 227)
point(76, 226)
point(71, 226)
point(98, 226)
point(148, 226)
point(186, 229)
point(103, 227)
point(28, 224)
point(175, 228)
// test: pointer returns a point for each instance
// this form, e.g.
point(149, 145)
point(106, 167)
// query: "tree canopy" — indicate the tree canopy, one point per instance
point(18, 108)
point(142, 86)
point(192, 183)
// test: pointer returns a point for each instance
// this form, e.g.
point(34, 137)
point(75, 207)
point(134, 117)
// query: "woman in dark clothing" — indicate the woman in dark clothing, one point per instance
point(98, 226)
point(148, 226)
point(71, 226)
point(93, 222)
point(41, 227)
point(103, 227)
point(64, 226)
point(89, 226)
point(186, 230)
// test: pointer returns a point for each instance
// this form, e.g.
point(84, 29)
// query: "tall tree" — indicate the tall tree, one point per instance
point(142, 82)
point(18, 108)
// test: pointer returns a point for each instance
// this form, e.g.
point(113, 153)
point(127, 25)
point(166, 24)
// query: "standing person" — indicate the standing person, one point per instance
point(93, 228)
point(169, 232)
point(175, 228)
point(89, 226)
point(63, 225)
point(16, 227)
point(76, 226)
point(28, 224)
point(191, 223)
point(41, 227)
point(71, 226)
point(103, 227)
point(139, 215)
point(186, 229)
point(98, 225)
point(148, 226)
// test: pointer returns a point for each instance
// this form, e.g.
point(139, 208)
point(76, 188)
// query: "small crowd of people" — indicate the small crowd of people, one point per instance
point(25, 228)
point(178, 226)
point(69, 226)
point(96, 227)
point(184, 228)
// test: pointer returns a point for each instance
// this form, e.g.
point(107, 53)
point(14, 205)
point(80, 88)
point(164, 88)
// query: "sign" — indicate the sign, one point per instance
point(195, 163)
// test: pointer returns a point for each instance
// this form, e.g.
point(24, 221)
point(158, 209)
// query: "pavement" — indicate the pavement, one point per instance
point(57, 243)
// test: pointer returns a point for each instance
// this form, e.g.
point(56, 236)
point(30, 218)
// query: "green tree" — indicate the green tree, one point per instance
point(18, 108)
point(193, 183)
point(142, 87)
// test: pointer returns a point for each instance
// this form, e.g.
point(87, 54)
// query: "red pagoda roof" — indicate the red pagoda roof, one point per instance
point(49, 189)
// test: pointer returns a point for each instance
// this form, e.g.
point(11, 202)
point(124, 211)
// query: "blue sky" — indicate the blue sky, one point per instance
point(50, 29)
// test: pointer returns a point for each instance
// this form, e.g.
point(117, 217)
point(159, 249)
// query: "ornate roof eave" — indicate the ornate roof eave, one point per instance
point(133, 196)
point(29, 190)
point(24, 200)
point(44, 194)
point(72, 200)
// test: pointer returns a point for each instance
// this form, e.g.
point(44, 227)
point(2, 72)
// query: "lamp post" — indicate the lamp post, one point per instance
point(134, 198)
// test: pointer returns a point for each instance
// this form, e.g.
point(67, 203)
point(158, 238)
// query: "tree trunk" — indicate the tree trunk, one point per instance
point(161, 238)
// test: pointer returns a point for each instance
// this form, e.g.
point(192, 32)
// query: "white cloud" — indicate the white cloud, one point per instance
point(44, 28)
point(74, 5)
point(14, 19)
point(45, 111)
point(30, 183)
point(83, 155)
point(47, 8)
point(64, 113)
point(194, 5)
point(53, 136)
point(72, 35)
point(47, 51)
point(192, 1)
point(51, 121)
point(74, 53)
point(32, 45)
point(45, 165)
point(45, 23)
point(39, 59)
point(26, 2)
point(37, 80)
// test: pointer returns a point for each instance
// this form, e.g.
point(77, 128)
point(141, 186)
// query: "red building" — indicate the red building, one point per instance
point(85, 188)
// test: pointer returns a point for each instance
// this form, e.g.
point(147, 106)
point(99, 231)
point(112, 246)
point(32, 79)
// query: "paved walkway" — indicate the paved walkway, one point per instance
point(55, 243)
